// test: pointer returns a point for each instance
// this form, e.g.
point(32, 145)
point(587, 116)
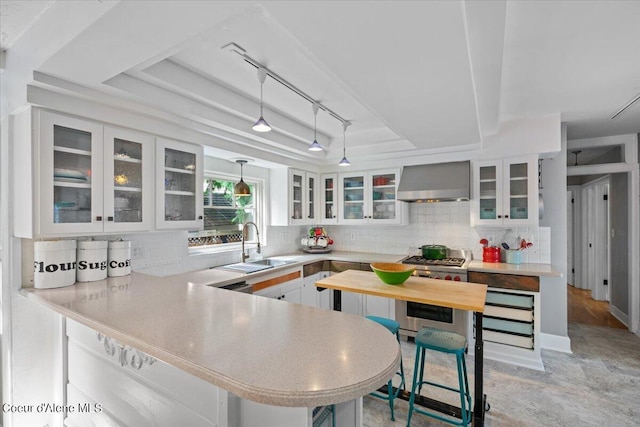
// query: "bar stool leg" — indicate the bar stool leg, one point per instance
point(416, 365)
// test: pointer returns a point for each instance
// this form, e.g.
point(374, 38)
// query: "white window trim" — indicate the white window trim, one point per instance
point(260, 217)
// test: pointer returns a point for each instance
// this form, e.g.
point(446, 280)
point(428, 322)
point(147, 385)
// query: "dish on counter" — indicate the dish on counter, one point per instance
point(392, 273)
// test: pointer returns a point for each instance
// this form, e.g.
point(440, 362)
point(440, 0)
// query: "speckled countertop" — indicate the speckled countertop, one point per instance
point(261, 349)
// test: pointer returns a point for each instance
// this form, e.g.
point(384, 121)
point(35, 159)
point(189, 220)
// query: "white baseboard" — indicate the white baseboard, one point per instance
point(615, 312)
point(513, 355)
point(555, 343)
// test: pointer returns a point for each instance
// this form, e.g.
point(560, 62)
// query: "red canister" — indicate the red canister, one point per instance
point(491, 254)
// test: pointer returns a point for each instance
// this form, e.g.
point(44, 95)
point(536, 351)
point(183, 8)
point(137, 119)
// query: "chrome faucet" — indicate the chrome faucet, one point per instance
point(244, 236)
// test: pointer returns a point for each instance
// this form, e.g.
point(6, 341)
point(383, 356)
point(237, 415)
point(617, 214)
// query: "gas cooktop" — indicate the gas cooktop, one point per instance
point(447, 262)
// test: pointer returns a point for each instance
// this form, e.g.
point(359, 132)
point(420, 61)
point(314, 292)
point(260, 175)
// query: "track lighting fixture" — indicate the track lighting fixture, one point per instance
point(315, 146)
point(241, 189)
point(344, 161)
point(261, 125)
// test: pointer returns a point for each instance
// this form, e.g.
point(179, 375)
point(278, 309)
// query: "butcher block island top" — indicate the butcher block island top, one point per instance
point(460, 295)
point(260, 349)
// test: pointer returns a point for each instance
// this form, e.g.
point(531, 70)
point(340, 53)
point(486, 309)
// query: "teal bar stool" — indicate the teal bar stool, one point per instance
point(394, 328)
point(445, 342)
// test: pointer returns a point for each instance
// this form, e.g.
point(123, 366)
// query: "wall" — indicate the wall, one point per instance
point(619, 279)
point(553, 293)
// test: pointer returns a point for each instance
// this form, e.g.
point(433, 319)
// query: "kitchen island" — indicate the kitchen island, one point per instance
point(261, 350)
point(458, 295)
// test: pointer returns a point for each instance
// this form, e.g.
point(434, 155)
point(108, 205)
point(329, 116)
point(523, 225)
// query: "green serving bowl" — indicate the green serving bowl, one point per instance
point(392, 273)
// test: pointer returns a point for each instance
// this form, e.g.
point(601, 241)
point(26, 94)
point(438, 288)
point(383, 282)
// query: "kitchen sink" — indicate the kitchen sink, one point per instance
point(257, 265)
point(271, 262)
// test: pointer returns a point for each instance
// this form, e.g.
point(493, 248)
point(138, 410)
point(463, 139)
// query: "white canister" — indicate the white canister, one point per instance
point(54, 264)
point(119, 258)
point(92, 260)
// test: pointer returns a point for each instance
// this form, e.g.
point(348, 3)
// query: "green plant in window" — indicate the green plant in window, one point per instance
point(241, 203)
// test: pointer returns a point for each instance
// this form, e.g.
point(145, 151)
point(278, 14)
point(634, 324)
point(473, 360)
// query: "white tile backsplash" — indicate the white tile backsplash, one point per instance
point(439, 223)
point(166, 253)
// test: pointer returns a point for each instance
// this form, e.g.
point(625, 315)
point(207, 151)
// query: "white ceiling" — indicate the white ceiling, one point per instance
point(413, 77)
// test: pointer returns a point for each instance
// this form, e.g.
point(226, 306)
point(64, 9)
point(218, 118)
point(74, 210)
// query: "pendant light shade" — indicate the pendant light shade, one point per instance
point(315, 146)
point(261, 125)
point(344, 161)
point(241, 189)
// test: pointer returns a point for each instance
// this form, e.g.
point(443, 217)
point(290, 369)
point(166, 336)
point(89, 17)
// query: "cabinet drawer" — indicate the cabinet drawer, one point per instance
point(509, 299)
point(508, 313)
point(506, 281)
point(513, 340)
point(503, 325)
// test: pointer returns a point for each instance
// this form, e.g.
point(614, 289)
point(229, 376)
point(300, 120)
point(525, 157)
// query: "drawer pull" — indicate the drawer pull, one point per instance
point(126, 356)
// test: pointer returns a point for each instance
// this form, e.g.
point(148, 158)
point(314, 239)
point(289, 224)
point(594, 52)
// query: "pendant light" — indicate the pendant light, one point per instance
point(344, 161)
point(241, 189)
point(314, 145)
point(261, 125)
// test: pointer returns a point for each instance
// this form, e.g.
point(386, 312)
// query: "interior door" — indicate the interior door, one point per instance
point(570, 232)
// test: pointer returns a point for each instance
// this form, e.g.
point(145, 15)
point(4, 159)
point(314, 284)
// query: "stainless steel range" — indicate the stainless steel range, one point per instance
point(414, 316)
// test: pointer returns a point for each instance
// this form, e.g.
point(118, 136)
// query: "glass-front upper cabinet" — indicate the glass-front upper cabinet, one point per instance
point(179, 178)
point(505, 192)
point(328, 198)
point(371, 197)
point(303, 199)
point(70, 167)
point(128, 197)
point(312, 188)
point(353, 198)
point(93, 178)
point(383, 196)
point(297, 193)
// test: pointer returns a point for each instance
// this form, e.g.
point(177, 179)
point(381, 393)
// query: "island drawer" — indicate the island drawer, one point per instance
point(506, 281)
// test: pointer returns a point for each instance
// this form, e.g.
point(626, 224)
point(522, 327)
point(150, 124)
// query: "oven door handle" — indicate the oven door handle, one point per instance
point(425, 274)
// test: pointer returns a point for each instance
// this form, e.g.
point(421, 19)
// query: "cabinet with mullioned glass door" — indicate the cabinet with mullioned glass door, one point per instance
point(179, 185)
point(329, 198)
point(303, 201)
point(505, 192)
point(93, 178)
point(370, 198)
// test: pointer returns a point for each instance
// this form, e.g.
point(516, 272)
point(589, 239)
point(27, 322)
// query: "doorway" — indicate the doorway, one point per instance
point(588, 236)
point(614, 157)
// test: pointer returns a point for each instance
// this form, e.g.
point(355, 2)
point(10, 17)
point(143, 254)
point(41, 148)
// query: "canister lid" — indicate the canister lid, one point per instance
point(92, 244)
point(54, 245)
point(120, 244)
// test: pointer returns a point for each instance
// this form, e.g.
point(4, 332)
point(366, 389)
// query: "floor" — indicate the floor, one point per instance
point(597, 385)
point(581, 308)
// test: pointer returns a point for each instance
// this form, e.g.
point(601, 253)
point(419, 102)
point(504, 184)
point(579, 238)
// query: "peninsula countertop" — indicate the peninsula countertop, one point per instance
point(261, 349)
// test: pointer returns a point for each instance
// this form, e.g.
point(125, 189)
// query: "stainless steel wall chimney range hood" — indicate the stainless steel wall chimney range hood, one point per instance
point(440, 182)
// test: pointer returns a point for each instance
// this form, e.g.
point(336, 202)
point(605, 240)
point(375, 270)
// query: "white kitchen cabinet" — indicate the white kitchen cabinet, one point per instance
point(505, 192)
point(370, 198)
point(329, 198)
point(112, 384)
point(284, 285)
point(379, 306)
point(312, 296)
point(290, 291)
point(298, 205)
point(179, 180)
point(92, 178)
